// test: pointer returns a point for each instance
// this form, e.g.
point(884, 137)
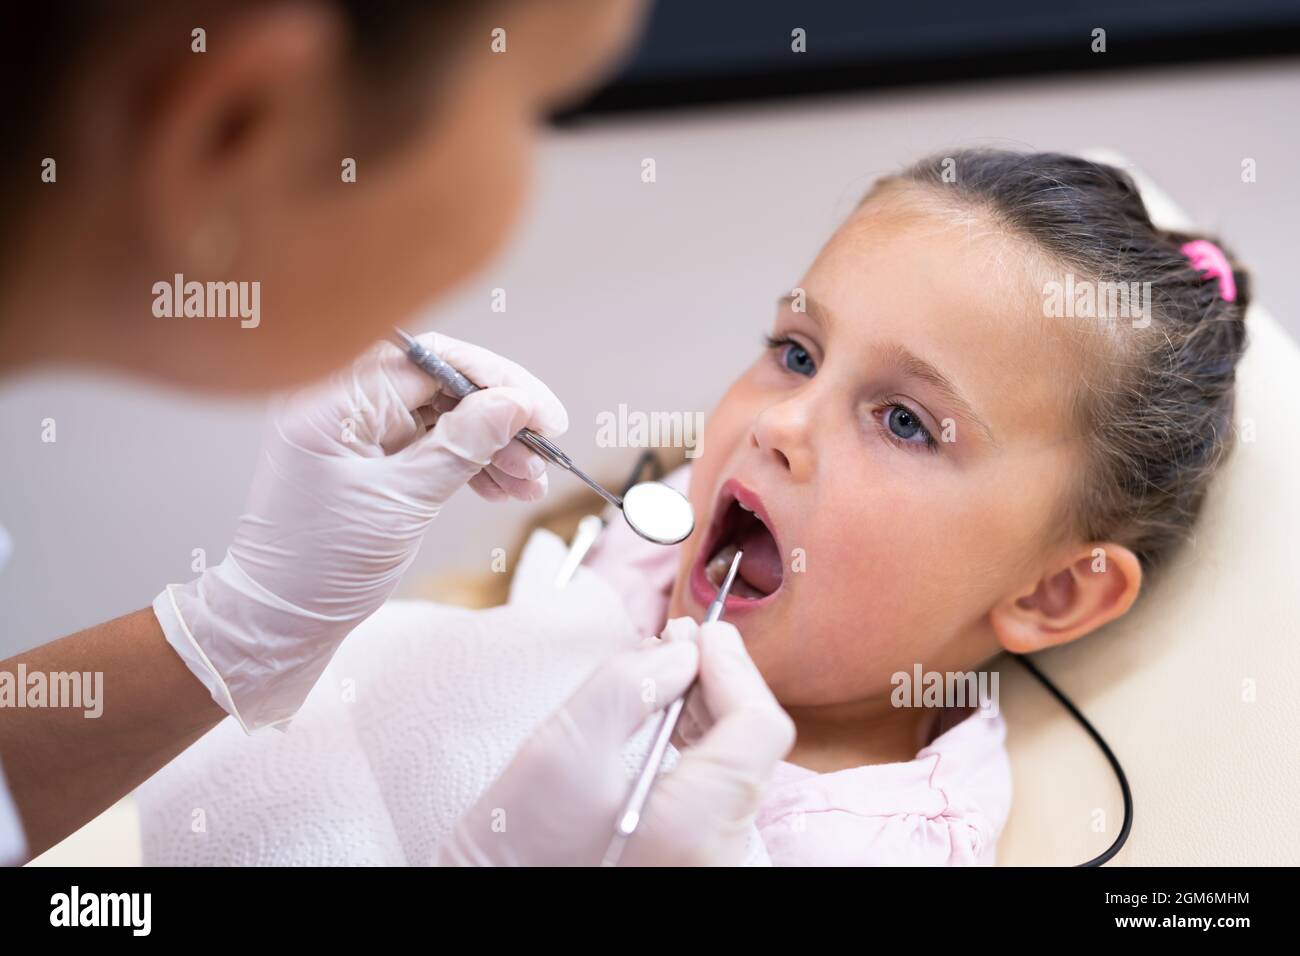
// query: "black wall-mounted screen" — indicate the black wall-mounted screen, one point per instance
point(709, 51)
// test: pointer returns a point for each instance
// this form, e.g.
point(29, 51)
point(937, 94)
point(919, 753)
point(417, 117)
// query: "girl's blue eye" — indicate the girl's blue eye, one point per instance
point(798, 360)
point(792, 356)
point(905, 425)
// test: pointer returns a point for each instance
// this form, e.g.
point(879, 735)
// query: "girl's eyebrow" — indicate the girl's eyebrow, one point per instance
point(916, 367)
point(907, 362)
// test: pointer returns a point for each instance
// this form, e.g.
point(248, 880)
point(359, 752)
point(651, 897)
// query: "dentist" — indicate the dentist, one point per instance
point(346, 162)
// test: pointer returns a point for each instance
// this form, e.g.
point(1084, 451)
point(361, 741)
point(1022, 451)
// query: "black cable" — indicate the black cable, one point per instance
point(1105, 749)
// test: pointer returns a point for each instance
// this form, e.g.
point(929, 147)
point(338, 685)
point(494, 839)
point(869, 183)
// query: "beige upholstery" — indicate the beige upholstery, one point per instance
point(1197, 690)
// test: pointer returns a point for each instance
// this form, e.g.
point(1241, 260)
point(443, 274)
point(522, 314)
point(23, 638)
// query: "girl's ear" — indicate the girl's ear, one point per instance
point(1091, 587)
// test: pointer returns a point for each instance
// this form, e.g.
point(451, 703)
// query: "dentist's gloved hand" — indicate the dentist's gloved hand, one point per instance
point(348, 479)
point(558, 801)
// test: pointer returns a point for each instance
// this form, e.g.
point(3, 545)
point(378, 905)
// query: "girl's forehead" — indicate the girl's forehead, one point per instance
point(890, 262)
point(965, 296)
point(928, 230)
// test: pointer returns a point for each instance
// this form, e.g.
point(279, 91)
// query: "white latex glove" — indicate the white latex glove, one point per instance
point(558, 801)
point(346, 484)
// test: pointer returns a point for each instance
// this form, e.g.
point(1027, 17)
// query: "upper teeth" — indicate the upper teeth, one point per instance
point(745, 507)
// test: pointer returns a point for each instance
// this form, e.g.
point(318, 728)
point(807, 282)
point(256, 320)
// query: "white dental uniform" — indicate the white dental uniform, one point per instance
point(13, 845)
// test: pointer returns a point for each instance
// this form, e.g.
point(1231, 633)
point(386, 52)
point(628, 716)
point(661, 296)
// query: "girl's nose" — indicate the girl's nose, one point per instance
point(784, 431)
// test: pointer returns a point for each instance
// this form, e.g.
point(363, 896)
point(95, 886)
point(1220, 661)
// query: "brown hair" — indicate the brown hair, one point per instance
point(1160, 420)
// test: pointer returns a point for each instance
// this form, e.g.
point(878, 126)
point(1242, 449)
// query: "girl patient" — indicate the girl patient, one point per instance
point(986, 414)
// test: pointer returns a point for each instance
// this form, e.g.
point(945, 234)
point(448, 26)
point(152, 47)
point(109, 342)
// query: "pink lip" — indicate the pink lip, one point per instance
point(702, 590)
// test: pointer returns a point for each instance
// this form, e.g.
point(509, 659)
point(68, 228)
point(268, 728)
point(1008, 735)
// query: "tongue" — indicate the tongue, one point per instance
point(761, 565)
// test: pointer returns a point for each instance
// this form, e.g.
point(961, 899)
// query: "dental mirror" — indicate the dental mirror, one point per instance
point(658, 512)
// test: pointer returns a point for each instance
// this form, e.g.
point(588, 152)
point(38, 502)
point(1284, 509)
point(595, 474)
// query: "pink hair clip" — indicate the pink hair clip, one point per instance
point(1209, 260)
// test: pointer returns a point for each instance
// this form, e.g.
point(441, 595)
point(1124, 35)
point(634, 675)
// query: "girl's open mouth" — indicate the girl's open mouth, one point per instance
point(740, 522)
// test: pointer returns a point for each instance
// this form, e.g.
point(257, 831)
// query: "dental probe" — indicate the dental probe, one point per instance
point(654, 510)
point(632, 810)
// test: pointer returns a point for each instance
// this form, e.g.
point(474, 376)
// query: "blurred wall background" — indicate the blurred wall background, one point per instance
point(622, 291)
